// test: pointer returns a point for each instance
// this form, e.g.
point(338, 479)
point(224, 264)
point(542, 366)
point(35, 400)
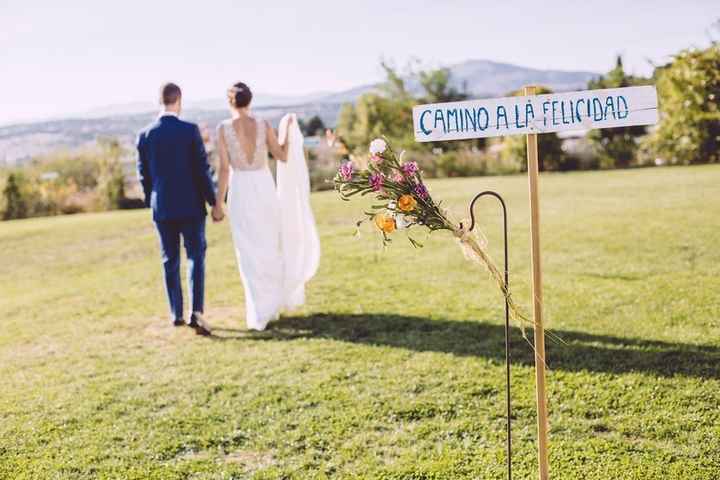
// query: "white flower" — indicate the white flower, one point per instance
point(377, 146)
point(401, 221)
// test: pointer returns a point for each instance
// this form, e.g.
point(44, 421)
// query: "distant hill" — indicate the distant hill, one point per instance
point(485, 78)
point(262, 100)
point(482, 78)
point(19, 143)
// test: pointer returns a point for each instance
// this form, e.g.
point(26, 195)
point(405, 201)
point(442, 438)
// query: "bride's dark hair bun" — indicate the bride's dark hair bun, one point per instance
point(239, 95)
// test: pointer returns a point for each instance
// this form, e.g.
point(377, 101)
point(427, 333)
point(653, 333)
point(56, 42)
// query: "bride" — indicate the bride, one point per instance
point(273, 229)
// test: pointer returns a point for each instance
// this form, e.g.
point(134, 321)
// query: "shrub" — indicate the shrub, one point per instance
point(321, 178)
point(15, 205)
point(67, 182)
point(468, 162)
point(616, 150)
point(551, 156)
point(689, 90)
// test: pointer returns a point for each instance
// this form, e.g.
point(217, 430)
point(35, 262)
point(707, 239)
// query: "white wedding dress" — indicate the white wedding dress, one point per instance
point(273, 228)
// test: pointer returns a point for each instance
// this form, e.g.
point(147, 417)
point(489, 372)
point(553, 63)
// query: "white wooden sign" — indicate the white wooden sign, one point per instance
point(555, 112)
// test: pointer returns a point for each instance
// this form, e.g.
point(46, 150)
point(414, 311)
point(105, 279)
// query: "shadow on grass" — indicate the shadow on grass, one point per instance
point(582, 351)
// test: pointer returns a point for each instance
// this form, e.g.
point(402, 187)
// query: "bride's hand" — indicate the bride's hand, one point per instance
point(291, 120)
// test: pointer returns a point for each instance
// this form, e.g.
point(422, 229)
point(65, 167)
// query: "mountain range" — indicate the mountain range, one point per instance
point(480, 78)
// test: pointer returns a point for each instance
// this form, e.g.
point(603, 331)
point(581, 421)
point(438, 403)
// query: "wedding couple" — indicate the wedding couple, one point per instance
point(273, 229)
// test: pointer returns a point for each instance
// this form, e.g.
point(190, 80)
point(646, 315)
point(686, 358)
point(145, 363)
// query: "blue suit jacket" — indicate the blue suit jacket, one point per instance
point(173, 170)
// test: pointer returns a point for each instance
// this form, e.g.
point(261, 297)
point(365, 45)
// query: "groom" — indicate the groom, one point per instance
point(177, 181)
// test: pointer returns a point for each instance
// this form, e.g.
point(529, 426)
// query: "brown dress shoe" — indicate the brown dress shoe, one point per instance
point(198, 324)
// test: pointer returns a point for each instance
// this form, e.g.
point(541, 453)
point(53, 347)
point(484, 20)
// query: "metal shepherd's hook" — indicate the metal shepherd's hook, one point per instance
point(507, 316)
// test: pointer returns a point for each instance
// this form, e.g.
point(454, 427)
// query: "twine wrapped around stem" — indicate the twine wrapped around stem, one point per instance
point(475, 253)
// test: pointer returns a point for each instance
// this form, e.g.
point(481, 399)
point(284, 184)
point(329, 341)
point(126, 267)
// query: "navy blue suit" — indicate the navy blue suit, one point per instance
point(177, 182)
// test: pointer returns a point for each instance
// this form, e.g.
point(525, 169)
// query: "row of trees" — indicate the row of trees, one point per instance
point(67, 182)
point(688, 133)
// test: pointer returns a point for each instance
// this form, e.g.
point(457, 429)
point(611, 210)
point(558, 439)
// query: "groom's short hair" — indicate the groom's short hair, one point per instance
point(170, 93)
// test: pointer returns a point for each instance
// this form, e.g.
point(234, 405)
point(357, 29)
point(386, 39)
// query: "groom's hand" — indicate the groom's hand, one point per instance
point(217, 213)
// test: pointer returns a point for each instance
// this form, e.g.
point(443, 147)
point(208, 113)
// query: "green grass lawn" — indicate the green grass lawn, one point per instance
point(395, 367)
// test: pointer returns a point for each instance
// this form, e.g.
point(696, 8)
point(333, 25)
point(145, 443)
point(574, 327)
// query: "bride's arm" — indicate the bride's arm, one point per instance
point(223, 175)
point(278, 152)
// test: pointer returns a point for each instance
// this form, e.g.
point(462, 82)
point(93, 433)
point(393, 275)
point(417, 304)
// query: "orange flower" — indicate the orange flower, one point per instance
point(407, 203)
point(385, 223)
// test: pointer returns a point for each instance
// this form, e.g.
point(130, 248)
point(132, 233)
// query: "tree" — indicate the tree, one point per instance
point(314, 126)
point(388, 112)
point(15, 204)
point(111, 179)
point(616, 147)
point(438, 88)
point(550, 156)
point(689, 90)
point(394, 86)
point(346, 126)
point(375, 116)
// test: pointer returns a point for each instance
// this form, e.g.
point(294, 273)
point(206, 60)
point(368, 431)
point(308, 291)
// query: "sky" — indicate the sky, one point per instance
point(70, 57)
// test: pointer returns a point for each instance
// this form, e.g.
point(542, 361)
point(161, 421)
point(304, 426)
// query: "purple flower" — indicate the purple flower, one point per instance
point(346, 171)
point(421, 191)
point(409, 168)
point(376, 181)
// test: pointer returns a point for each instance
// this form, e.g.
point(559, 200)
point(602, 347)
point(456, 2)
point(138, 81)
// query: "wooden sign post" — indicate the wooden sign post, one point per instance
point(529, 115)
point(539, 330)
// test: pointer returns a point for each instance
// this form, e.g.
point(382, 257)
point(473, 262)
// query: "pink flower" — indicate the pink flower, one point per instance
point(346, 171)
point(410, 168)
point(376, 159)
point(376, 181)
point(398, 177)
point(421, 191)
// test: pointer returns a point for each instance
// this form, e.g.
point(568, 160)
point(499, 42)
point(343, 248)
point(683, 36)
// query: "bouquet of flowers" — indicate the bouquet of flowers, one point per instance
point(403, 202)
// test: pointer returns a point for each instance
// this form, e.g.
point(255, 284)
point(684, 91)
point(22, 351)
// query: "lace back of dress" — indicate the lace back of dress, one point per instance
point(238, 157)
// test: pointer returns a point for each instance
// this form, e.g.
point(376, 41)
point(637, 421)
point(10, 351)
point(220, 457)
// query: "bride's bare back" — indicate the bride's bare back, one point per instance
point(246, 129)
point(246, 142)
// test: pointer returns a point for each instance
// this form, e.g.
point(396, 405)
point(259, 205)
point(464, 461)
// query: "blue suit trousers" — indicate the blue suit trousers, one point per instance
point(193, 236)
